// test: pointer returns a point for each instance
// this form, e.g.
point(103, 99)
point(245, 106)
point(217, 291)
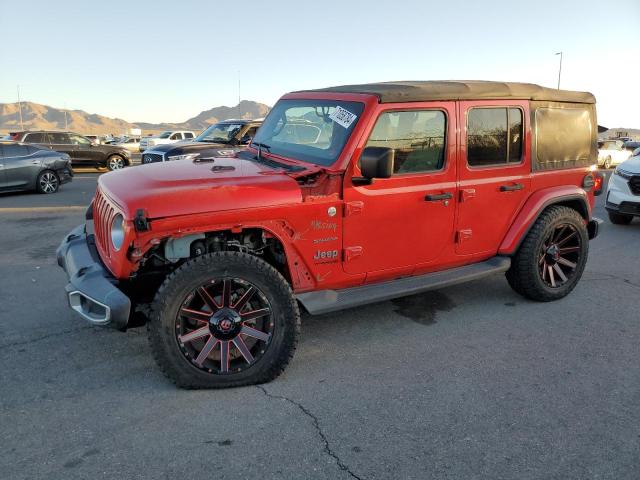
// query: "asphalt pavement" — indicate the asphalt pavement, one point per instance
point(469, 382)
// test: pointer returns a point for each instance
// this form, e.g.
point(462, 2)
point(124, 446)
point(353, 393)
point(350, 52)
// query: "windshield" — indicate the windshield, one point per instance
point(220, 133)
point(313, 131)
point(164, 135)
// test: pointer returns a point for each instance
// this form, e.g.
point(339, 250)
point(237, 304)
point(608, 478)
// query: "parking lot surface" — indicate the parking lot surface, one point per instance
point(468, 382)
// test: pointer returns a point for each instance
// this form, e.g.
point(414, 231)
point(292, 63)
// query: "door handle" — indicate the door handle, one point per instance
point(438, 197)
point(511, 188)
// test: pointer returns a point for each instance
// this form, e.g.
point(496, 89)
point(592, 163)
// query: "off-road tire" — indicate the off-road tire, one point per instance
point(47, 182)
point(523, 275)
point(620, 218)
point(161, 325)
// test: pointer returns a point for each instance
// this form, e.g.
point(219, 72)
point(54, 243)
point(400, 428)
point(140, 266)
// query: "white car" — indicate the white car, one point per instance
point(169, 136)
point(132, 144)
point(612, 153)
point(623, 192)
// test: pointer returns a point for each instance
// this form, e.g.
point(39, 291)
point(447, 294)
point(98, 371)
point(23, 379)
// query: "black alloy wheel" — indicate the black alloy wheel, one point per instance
point(223, 319)
point(559, 255)
point(224, 326)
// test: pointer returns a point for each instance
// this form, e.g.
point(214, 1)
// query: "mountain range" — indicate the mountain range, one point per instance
point(36, 116)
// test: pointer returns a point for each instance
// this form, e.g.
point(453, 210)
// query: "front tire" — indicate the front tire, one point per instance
point(47, 182)
point(115, 162)
point(223, 319)
point(552, 257)
point(620, 218)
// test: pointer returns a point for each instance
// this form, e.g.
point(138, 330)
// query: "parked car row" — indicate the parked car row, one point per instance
point(227, 137)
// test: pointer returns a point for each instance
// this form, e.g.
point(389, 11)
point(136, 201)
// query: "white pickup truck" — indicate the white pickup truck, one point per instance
point(612, 153)
point(168, 136)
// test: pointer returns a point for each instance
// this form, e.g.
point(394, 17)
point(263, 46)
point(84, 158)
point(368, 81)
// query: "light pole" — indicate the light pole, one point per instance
point(20, 108)
point(559, 69)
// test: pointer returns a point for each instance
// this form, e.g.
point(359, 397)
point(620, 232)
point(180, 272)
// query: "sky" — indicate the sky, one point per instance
point(160, 61)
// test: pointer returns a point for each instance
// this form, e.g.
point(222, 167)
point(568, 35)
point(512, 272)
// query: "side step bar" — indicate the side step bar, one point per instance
point(324, 301)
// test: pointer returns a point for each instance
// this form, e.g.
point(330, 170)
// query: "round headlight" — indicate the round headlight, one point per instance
point(117, 231)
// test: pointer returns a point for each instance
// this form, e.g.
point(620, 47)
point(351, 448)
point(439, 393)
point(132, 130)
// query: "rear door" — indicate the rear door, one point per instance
point(494, 173)
point(60, 142)
point(398, 223)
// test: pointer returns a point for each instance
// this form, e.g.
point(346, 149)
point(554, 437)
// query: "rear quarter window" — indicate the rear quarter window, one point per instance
point(564, 137)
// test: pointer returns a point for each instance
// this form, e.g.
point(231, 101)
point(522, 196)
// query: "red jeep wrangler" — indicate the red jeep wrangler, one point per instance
point(347, 196)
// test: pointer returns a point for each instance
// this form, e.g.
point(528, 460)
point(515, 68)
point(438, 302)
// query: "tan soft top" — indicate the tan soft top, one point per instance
point(421, 91)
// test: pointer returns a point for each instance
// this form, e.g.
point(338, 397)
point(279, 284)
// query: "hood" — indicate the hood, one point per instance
point(184, 147)
point(632, 165)
point(184, 187)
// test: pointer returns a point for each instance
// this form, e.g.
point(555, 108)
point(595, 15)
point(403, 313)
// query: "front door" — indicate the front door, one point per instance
point(494, 173)
point(398, 223)
point(84, 151)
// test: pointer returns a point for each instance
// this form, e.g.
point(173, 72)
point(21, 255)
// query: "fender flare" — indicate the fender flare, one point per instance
point(574, 197)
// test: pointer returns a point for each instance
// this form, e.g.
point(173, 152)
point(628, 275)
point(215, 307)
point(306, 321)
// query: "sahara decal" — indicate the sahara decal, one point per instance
point(324, 240)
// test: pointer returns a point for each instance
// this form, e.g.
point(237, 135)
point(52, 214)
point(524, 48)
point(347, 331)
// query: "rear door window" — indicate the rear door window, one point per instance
point(58, 138)
point(188, 135)
point(494, 136)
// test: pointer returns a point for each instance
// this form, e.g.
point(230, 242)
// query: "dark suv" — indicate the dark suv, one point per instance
point(81, 150)
point(222, 138)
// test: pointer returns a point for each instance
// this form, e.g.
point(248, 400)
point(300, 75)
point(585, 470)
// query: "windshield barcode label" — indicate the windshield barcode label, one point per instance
point(343, 117)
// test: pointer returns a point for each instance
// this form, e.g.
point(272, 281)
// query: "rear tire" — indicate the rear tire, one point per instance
point(193, 322)
point(620, 218)
point(47, 182)
point(552, 257)
point(115, 162)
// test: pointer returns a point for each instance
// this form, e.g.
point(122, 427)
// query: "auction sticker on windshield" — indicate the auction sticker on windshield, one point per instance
point(343, 117)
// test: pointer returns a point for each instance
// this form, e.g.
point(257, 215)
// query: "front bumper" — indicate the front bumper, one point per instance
point(91, 290)
point(620, 198)
point(624, 208)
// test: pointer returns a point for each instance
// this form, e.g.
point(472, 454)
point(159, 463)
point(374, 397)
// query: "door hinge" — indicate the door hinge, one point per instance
point(353, 208)
point(463, 235)
point(352, 252)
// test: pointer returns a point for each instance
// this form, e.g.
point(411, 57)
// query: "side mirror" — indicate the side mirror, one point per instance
point(375, 162)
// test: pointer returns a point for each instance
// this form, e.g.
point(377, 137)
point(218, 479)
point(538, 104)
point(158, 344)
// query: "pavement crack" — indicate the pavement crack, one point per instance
point(43, 337)
point(316, 425)
point(609, 276)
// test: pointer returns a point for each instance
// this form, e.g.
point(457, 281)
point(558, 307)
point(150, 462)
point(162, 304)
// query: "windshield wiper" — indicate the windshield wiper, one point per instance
point(260, 147)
